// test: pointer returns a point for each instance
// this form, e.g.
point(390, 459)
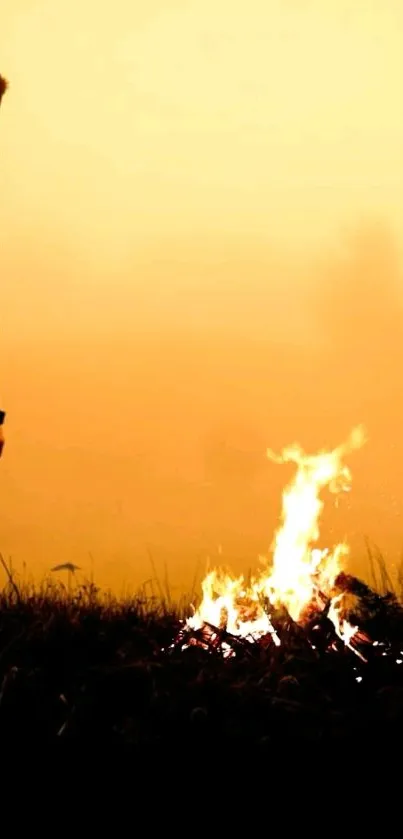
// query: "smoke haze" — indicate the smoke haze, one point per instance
point(201, 256)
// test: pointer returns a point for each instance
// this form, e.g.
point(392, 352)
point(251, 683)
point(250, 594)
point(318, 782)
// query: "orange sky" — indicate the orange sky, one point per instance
point(201, 256)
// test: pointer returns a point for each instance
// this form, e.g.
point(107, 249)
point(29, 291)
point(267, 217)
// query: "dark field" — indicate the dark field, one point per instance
point(80, 674)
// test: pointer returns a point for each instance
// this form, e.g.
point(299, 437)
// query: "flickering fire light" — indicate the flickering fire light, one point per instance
point(298, 577)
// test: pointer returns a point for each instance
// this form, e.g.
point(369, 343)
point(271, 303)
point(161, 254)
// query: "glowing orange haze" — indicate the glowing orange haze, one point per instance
point(157, 442)
point(200, 258)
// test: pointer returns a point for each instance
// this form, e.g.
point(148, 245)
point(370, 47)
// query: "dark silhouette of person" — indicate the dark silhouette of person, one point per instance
point(3, 87)
point(2, 416)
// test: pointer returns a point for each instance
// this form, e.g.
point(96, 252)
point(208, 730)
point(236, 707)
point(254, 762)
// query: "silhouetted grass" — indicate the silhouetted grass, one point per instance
point(85, 670)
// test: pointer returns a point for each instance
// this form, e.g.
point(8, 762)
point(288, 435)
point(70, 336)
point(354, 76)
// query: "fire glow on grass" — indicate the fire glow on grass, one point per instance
point(300, 576)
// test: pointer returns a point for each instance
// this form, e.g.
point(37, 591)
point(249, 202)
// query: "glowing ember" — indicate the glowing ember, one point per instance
point(344, 629)
point(300, 576)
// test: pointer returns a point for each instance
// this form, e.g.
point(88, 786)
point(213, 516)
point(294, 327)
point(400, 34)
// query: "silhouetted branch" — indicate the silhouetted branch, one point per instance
point(11, 580)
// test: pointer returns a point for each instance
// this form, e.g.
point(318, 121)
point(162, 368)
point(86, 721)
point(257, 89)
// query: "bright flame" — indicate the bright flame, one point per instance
point(300, 574)
point(299, 571)
point(226, 602)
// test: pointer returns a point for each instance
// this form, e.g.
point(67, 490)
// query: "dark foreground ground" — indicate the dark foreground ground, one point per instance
point(78, 676)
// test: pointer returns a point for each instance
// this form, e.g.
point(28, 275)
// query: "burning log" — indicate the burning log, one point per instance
point(321, 634)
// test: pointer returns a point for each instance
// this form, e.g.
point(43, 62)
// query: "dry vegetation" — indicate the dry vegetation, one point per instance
point(87, 671)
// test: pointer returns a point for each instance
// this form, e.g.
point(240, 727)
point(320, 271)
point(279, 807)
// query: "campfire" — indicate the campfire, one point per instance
point(302, 588)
